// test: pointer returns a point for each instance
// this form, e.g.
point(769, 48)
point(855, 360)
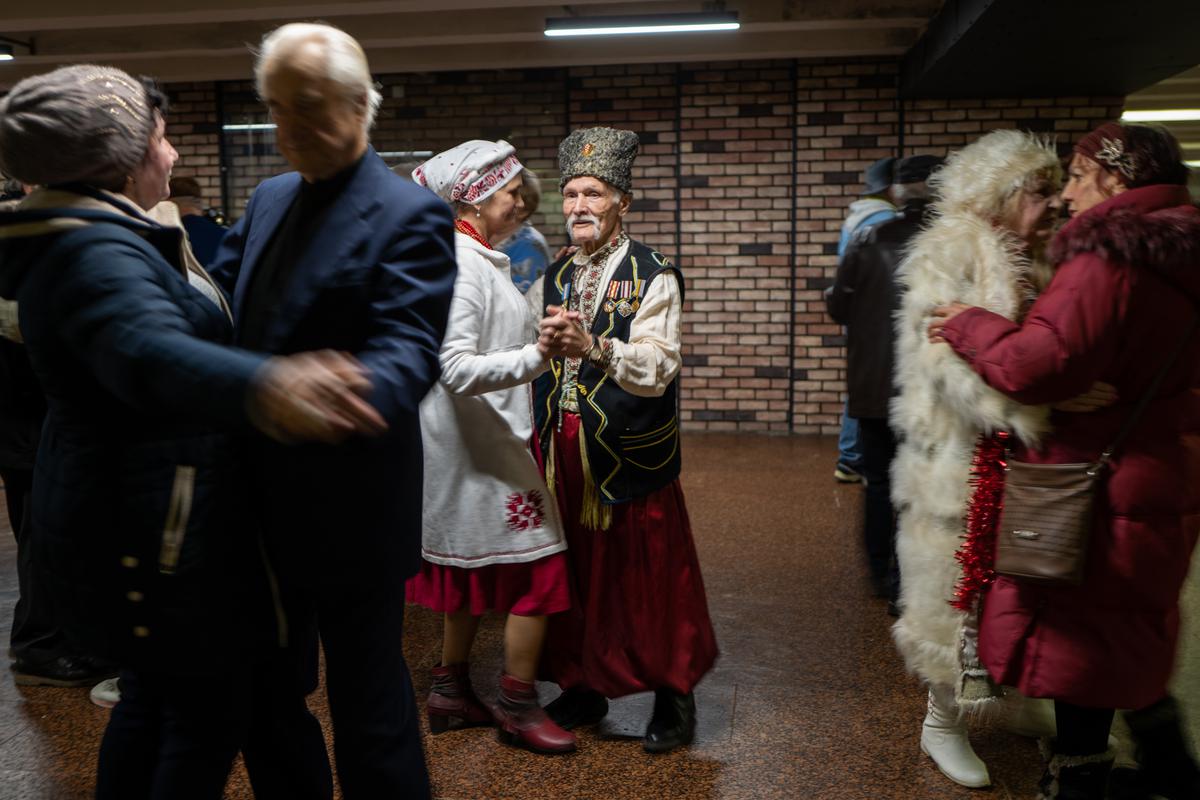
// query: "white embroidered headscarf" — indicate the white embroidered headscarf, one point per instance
point(470, 172)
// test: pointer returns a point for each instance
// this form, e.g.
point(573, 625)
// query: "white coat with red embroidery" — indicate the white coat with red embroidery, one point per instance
point(485, 500)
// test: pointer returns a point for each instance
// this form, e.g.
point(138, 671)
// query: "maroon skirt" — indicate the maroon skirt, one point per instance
point(528, 589)
point(639, 616)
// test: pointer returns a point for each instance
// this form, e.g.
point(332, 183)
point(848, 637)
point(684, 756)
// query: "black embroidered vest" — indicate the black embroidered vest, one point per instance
point(632, 442)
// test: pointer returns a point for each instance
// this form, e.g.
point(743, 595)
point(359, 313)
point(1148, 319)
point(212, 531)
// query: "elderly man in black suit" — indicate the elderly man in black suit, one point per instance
point(340, 254)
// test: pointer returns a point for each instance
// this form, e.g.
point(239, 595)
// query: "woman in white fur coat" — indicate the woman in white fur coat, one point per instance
point(492, 536)
point(997, 200)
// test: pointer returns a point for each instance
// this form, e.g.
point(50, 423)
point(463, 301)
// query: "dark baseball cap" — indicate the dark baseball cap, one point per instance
point(917, 169)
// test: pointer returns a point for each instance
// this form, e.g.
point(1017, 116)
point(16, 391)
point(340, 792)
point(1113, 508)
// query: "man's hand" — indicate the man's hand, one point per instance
point(940, 316)
point(561, 334)
point(314, 397)
point(1101, 395)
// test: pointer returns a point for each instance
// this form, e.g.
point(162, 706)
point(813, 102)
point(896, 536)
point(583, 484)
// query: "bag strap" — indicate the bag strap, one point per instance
point(1152, 390)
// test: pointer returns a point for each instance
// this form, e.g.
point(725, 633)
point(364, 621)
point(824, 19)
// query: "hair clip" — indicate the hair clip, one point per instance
point(1112, 152)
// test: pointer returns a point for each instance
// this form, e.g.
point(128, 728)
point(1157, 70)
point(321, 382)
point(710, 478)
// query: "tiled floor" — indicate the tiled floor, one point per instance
point(808, 700)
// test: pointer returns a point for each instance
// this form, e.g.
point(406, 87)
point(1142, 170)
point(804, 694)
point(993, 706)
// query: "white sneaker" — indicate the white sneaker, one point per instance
point(944, 739)
point(106, 693)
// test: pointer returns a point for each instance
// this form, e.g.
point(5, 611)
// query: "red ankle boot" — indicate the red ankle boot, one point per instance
point(452, 704)
point(523, 723)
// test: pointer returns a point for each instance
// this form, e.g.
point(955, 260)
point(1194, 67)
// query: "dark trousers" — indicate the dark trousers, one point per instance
point(1081, 731)
point(879, 519)
point(376, 738)
point(173, 738)
point(35, 638)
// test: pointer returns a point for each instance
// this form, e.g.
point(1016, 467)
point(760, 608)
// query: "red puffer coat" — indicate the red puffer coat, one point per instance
point(1126, 290)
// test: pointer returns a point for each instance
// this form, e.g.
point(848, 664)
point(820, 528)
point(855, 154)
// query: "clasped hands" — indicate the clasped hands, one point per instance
point(561, 334)
point(314, 397)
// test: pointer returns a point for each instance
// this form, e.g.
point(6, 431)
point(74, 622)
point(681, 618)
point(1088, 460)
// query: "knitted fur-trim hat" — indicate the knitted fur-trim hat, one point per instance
point(980, 177)
point(78, 124)
point(604, 153)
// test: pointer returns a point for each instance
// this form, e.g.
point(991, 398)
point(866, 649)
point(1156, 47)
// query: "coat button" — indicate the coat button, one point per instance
point(135, 597)
point(141, 631)
point(129, 562)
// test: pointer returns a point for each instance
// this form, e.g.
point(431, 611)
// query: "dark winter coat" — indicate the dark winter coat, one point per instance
point(1126, 289)
point(864, 297)
point(137, 514)
point(22, 409)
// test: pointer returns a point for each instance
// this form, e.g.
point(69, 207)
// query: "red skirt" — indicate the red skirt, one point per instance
point(528, 589)
point(639, 616)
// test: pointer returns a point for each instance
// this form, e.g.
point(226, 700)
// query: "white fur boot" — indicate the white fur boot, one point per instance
point(944, 739)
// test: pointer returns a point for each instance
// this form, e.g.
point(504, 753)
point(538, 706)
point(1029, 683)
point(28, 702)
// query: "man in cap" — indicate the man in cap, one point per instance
point(607, 416)
point(864, 298)
point(339, 254)
point(873, 207)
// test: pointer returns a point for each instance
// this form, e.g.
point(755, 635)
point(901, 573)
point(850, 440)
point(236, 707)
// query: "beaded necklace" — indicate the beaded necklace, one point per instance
point(462, 226)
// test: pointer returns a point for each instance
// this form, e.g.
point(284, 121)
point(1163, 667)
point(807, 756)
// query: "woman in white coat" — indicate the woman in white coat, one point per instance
point(492, 537)
point(997, 200)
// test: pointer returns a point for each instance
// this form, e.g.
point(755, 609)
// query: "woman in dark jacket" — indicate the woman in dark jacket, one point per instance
point(1126, 290)
point(137, 518)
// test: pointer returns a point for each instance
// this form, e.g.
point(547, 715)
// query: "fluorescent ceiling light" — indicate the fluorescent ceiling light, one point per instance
point(648, 23)
point(6, 52)
point(406, 153)
point(251, 126)
point(1193, 164)
point(1167, 115)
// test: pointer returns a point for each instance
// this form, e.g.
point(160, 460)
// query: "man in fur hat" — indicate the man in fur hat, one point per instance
point(607, 417)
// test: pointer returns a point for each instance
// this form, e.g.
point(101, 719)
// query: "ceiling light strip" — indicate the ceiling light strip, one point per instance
point(1163, 115)
point(636, 29)
point(641, 24)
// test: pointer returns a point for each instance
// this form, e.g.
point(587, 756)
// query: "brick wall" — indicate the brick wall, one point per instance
point(745, 175)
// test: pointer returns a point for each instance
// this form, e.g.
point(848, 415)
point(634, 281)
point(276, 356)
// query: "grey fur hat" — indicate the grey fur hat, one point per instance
point(78, 124)
point(604, 153)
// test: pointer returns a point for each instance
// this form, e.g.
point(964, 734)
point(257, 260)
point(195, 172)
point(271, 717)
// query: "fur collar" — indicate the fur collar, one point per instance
point(1153, 227)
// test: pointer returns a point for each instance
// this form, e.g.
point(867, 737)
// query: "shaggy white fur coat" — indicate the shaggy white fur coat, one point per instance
point(940, 410)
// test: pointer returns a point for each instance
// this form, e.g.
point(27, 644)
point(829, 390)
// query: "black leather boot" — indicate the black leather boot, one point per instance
point(1168, 768)
point(576, 707)
point(673, 724)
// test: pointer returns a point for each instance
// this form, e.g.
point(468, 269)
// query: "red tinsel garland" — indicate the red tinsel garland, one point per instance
point(978, 551)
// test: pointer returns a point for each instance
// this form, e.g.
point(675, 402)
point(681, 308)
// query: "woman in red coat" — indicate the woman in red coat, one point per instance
point(1127, 288)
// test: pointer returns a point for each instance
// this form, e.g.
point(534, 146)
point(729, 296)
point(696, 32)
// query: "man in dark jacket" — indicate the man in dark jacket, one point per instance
point(339, 254)
point(864, 298)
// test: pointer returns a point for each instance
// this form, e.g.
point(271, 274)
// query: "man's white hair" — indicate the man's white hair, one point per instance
point(345, 61)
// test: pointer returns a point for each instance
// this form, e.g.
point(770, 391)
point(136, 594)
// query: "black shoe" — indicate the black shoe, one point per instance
point(1168, 767)
point(576, 707)
point(1126, 783)
point(64, 671)
point(844, 473)
point(673, 724)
